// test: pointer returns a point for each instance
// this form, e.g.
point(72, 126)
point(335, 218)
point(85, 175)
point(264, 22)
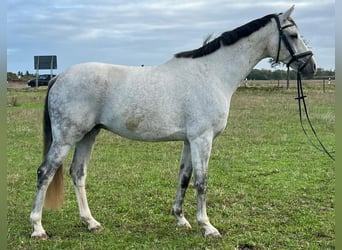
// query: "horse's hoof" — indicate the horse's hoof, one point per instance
point(42, 236)
point(95, 229)
point(215, 234)
point(185, 225)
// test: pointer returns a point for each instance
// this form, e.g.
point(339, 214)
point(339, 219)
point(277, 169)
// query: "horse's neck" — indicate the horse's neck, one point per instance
point(234, 63)
point(231, 64)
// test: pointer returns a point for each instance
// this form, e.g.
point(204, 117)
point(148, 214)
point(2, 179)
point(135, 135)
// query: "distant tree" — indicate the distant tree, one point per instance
point(265, 74)
point(278, 74)
point(257, 74)
point(12, 76)
point(322, 73)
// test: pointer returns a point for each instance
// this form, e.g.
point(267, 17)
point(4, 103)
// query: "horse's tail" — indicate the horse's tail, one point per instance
point(55, 193)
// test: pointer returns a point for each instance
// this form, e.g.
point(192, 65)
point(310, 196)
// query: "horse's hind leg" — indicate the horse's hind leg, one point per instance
point(46, 172)
point(78, 172)
point(185, 172)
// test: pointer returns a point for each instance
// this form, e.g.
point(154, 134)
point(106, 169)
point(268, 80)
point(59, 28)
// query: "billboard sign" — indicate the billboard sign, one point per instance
point(45, 62)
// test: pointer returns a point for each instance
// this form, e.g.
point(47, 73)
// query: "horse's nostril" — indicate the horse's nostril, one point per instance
point(314, 69)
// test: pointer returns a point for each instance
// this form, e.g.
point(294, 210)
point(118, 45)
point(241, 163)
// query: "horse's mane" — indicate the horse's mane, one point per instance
point(227, 38)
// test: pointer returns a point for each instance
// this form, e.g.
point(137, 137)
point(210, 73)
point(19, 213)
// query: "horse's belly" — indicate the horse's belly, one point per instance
point(133, 131)
point(145, 126)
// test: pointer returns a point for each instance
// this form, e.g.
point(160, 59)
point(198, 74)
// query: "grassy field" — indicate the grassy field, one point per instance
point(268, 187)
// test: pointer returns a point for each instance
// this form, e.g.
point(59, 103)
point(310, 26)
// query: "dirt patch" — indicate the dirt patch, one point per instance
point(17, 85)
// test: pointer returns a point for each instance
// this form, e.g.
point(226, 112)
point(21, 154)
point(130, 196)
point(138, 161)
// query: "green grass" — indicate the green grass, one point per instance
point(268, 187)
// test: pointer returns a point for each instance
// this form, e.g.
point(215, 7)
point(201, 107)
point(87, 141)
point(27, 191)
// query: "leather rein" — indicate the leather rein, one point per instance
point(303, 58)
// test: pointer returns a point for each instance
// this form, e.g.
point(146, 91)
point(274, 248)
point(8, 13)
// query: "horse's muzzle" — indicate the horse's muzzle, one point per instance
point(309, 66)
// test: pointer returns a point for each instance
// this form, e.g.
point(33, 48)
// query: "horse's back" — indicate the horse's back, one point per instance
point(125, 100)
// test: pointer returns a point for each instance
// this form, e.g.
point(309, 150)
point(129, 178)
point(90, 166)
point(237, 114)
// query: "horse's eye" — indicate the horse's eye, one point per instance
point(294, 36)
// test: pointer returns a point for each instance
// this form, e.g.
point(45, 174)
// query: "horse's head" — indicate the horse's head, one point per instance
point(290, 47)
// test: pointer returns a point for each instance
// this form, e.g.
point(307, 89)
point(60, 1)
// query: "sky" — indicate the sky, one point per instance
point(147, 32)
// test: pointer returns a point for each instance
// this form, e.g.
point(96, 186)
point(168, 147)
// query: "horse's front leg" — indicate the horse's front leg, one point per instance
point(185, 172)
point(200, 153)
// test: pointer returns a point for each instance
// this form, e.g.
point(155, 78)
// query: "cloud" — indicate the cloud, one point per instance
point(144, 31)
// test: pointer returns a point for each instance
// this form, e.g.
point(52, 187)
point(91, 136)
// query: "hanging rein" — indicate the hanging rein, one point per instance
point(304, 58)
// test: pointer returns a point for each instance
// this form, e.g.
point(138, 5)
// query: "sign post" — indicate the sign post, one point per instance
point(44, 62)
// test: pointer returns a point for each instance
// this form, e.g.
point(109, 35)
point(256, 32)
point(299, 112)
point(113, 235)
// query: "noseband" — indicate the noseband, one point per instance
point(294, 57)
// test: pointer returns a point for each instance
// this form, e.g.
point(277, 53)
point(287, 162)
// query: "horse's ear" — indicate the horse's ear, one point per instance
point(285, 16)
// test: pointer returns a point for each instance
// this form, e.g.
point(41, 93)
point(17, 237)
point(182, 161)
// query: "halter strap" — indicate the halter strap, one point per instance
point(280, 36)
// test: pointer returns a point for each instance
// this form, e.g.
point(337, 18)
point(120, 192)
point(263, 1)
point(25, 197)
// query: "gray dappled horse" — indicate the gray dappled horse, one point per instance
point(185, 99)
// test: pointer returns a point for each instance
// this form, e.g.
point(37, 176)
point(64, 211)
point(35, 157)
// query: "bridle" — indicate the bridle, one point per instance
point(301, 97)
point(294, 57)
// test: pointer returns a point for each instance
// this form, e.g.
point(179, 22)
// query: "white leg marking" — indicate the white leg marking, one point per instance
point(36, 216)
point(85, 213)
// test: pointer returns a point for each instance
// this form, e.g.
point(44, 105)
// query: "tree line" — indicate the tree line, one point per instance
point(20, 76)
point(265, 74)
point(255, 74)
